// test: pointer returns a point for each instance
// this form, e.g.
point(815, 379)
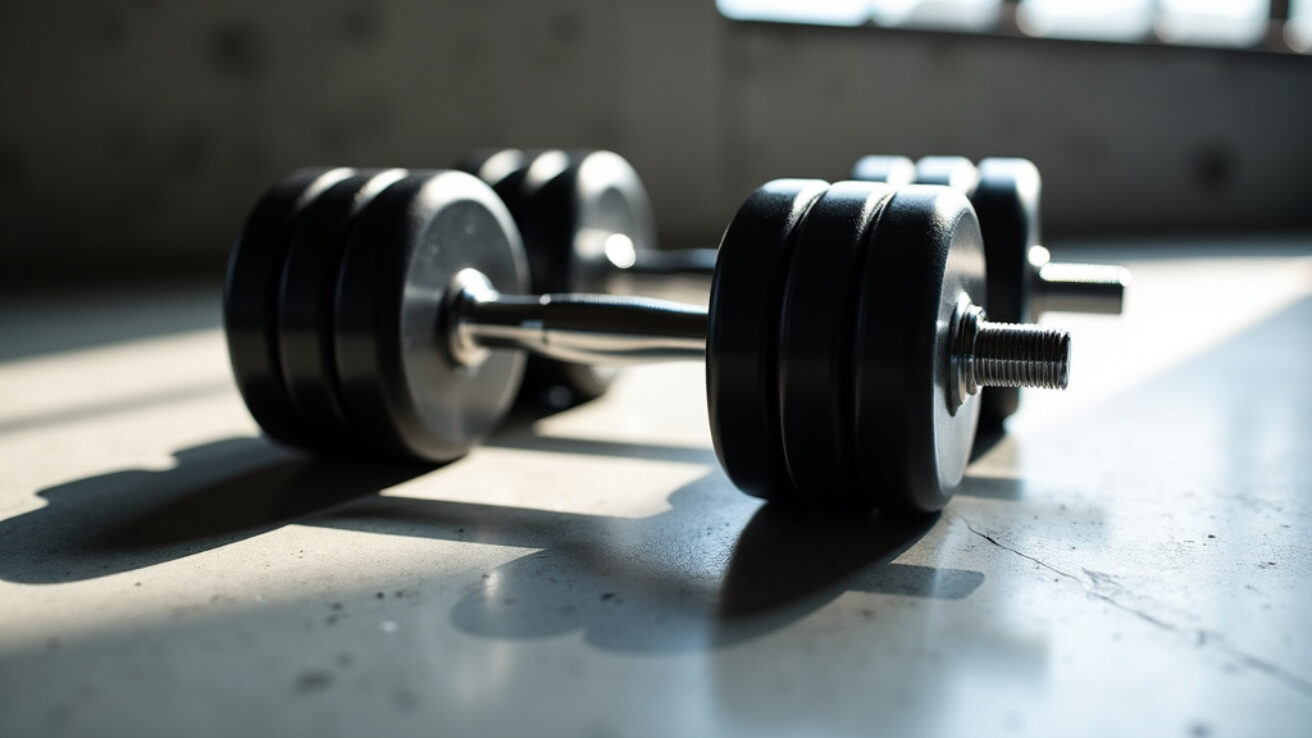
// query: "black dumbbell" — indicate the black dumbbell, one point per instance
point(587, 226)
point(568, 203)
point(1022, 283)
point(842, 341)
point(894, 170)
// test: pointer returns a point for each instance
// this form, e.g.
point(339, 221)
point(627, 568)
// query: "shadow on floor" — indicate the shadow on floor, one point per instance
point(660, 584)
point(526, 440)
point(216, 494)
point(993, 488)
point(689, 578)
point(518, 431)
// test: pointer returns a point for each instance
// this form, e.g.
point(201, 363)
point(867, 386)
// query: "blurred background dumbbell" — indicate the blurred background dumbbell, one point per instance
point(587, 226)
point(1023, 283)
point(843, 341)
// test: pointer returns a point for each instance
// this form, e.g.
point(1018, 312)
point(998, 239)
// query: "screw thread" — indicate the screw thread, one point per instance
point(1019, 355)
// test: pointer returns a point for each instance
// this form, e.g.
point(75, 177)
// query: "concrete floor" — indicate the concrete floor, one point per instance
point(1131, 560)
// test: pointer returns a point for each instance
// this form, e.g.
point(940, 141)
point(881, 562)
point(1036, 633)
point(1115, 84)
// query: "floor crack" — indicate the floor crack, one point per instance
point(1021, 554)
point(1204, 638)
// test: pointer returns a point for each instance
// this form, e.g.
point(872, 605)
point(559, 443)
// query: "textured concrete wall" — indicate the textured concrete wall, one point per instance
point(137, 134)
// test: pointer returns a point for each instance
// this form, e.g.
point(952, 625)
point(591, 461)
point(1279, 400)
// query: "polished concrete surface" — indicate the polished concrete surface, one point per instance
point(1132, 559)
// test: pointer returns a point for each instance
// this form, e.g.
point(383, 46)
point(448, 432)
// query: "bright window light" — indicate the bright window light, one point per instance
point(957, 15)
point(1233, 23)
point(1298, 30)
point(965, 15)
point(1213, 22)
point(823, 12)
point(1103, 20)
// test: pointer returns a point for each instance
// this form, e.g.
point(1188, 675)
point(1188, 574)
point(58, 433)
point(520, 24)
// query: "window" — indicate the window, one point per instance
point(1218, 23)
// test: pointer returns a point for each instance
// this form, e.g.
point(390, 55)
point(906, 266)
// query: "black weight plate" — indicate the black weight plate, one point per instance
point(815, 342)
point(893, 170)
point(924, 255)
point(571, 207)
point(541, 197)
point(399, 386)
point(519, 177)
point(743, 333)
point(1006, 201)
point(612, 215)
point(956, 172)
point(305, 305)
point(493, 165)
point(250, 301)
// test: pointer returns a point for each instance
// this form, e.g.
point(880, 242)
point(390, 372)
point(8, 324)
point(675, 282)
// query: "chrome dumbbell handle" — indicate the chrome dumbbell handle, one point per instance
point(1076, 288)
point(590, 329)
point(605, 329)
point(677, 262)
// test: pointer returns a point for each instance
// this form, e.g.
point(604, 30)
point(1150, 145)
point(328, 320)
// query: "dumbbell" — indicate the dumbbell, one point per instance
point(385, 313)
point(587, 226)
point(1023, 283)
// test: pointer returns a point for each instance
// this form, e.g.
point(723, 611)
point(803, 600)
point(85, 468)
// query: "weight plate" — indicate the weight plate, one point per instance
point(399, 386)
point(613, 219)
point(893, 170)
point(574, 210)
point(493, 165)
point(519, 177)
point(250, 301)
point(743, 336)
point(305, 305)
point(1006, 201)
point(956, 172)
point(924, 255)
point(815, 342)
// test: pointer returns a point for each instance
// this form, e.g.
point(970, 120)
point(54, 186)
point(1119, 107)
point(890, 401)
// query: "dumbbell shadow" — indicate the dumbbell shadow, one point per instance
point(650, 584)
point(660, 584)
point(520, 434)
point(216, 494)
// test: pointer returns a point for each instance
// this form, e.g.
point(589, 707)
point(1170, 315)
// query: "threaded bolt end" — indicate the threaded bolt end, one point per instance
point(1019, 355)
point(985, 354)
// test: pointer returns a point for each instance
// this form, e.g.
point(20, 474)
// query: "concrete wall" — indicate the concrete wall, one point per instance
point(136, 134)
